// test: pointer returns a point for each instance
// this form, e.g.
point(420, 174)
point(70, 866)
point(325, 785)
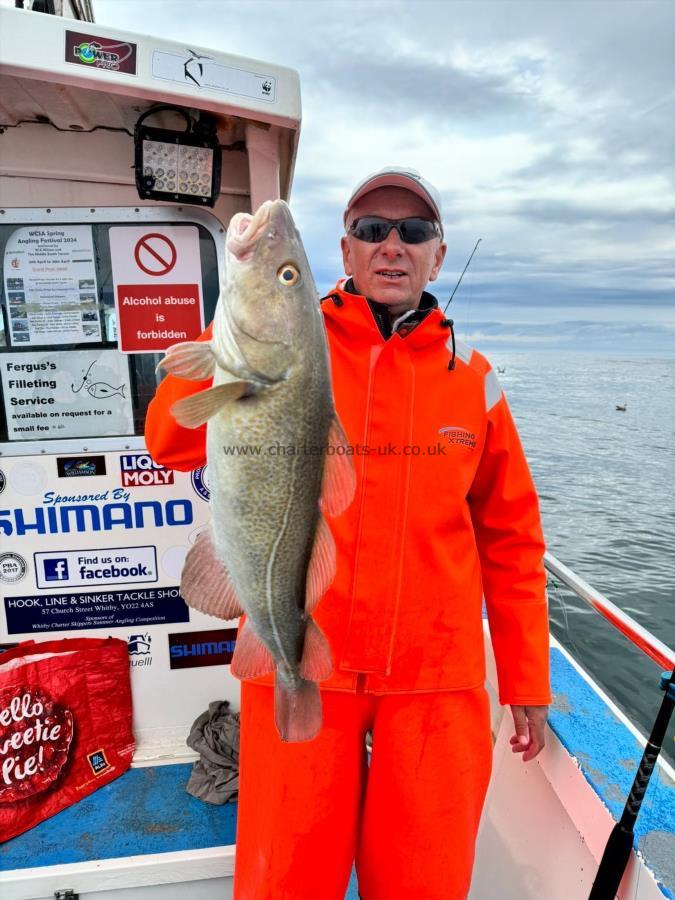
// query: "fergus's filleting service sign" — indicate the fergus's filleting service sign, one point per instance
point(59, 394)
point(50, 286)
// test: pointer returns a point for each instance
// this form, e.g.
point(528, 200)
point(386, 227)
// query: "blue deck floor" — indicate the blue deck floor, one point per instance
point(145, 811)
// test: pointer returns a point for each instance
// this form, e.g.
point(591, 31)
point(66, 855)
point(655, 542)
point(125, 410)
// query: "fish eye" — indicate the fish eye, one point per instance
point(288, 274)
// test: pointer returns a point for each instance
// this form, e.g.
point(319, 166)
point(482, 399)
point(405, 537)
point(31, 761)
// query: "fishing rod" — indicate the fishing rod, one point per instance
point(462, 275)
point(617, 852)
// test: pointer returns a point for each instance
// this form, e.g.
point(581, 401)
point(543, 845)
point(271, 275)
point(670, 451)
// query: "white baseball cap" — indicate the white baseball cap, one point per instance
point(397, 176)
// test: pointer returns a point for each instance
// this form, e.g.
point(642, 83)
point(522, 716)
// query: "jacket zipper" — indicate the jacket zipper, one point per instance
point(360, 682)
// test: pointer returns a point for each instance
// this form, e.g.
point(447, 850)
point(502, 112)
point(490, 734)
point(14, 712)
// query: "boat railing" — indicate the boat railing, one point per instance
point(650, 645)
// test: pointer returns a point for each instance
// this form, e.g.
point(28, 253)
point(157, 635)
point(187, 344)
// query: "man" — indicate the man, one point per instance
point(445, 513)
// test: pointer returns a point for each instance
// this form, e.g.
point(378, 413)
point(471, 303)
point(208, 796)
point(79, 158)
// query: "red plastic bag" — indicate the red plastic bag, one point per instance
point(65, 725)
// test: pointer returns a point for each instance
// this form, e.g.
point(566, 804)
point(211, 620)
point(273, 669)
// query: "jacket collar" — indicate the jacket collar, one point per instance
point(368, 321)
point(381, 315)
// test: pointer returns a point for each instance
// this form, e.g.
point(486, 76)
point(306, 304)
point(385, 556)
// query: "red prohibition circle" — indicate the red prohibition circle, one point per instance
point(162, 251)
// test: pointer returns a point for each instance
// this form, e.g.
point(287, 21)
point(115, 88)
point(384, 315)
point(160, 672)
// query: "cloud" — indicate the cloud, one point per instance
point(575, 335)
point(549, 129)
point(412, 84)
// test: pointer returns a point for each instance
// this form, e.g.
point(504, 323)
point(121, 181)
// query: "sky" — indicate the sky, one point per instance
point(547, 126)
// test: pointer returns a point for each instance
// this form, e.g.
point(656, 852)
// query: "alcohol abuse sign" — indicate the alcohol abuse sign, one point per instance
point(158, 286)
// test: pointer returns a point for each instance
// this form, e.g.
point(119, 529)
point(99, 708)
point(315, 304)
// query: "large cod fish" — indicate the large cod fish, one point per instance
point(269, 552)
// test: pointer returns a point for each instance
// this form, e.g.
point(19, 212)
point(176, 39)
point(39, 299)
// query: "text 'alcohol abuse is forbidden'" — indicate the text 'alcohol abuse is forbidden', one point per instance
point(158, 293)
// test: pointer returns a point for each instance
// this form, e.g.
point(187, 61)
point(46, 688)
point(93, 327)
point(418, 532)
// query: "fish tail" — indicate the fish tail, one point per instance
point(297, 712)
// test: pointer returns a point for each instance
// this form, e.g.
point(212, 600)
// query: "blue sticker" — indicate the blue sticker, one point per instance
point(71, 612)
point(56, 569)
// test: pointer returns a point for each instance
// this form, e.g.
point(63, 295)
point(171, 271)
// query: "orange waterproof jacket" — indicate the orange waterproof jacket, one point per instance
point(445, 513)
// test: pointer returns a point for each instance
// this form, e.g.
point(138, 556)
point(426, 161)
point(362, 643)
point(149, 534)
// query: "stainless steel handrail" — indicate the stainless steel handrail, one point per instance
point(643, 639)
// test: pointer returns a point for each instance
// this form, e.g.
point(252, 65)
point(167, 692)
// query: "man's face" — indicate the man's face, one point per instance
point(392, 272)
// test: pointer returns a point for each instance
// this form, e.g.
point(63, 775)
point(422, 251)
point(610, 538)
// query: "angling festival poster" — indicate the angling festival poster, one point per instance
point(50, 286)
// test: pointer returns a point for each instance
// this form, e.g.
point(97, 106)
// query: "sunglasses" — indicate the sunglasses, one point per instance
point(374, 230)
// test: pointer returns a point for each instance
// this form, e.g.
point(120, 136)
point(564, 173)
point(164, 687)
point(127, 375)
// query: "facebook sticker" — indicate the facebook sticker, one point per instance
point(56, 569)
point(115, 565)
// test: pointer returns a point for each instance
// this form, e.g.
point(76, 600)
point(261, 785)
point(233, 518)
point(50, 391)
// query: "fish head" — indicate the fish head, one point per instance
point(269, 296)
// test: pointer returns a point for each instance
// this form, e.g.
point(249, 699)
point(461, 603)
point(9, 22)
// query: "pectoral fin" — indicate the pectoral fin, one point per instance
point(205, 583)
point(339, 479)
point(192, 411)
point(193, 360)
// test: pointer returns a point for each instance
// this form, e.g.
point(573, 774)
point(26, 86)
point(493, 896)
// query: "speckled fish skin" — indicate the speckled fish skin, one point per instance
point(266, 506)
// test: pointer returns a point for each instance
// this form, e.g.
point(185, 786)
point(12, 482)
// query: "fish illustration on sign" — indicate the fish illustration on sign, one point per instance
point(99, 390)
point(102, 389)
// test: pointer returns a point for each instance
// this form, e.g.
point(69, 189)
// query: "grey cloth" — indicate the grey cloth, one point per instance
point(215, 736)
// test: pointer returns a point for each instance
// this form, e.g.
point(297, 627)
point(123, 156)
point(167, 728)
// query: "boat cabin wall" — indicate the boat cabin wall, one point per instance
point(44, 167)
point(95, 284)
point(93, 532)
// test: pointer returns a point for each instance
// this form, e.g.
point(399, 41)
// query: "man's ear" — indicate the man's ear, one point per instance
point(439, 256)
point(346, 258)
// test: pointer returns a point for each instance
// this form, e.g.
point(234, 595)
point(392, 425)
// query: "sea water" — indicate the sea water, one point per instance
point(606, 483)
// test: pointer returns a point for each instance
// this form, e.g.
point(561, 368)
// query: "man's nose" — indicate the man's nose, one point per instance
point(392, 244)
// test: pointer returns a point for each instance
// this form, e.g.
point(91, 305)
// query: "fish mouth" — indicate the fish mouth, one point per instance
point(245, 231)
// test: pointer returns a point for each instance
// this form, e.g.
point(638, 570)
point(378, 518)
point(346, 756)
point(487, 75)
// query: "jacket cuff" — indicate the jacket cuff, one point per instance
point(520, 641)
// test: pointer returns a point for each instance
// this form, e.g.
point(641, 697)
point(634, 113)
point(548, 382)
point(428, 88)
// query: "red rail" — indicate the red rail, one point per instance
point(645, 640)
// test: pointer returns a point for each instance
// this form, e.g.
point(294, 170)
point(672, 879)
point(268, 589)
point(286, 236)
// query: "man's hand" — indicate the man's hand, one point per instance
point(529, 737)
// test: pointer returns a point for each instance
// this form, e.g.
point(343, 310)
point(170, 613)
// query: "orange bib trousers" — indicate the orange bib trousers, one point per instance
point(308, 810)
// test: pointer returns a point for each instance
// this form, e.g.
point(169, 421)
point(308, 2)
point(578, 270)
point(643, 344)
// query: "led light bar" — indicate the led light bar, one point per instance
point(177, 165)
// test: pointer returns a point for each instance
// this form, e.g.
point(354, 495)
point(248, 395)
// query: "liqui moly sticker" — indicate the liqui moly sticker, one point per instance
point(139, 469)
